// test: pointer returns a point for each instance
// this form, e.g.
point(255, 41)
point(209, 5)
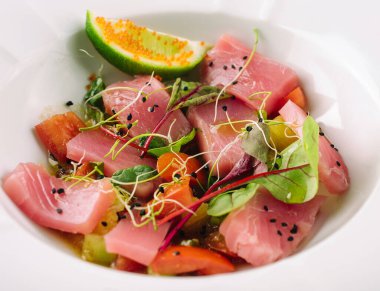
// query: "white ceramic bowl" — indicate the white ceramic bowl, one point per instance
point(332, 46)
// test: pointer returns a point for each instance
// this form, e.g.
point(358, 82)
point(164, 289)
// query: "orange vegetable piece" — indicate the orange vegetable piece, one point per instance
point(126, 264)
point(180, 191)
point(56, 131)
point(183, 259)
point(183, 165)
point(298, 97)
point(84, 169)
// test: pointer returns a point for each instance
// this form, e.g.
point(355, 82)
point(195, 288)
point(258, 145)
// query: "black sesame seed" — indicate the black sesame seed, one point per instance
point(279, 232)
point(161, 189)
point(151, 109)
point(224, 107)
point(284, 224)
point(240, 68)
point(119, 133)
point(260, 120)
point(233, 97)
point(210, 64)
point(104, 223)
point(332, 145)
point(113, 111)
point(99, 177)
point(121, 216)
point(290, 238)
point(248, 128)
point(69, 103)
point(185, 88)
point(194, 175)
point(279, 156)
point(337, 163)
point(176, 253)
point(225, 67)
point(245, 57)
point(272, 220)
point(143, 99)
point(129, 117)
point(53, 190)
point(336, 149)
point(233, 66)
point(294, 229)
point(129, 126)
point(276, 166)
point(155, 105)
point(142, 212)
point(146, 83)
point(59, 210)
point(61, 191)
point(234, 82)
point(177, 176)
point(321, 133)
point(266, 208)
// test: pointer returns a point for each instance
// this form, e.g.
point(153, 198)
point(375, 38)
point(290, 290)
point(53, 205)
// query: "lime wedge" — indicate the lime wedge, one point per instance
point(140, 50)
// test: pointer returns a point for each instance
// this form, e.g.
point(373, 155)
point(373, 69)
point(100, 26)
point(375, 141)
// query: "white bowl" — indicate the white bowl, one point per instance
point(332, 46)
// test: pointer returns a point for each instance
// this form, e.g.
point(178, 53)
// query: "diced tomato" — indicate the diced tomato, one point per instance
point(126, 264)
point(298, 97)
point(56, 131)
point(183, 259)
point(183, 164)
point(180, 192)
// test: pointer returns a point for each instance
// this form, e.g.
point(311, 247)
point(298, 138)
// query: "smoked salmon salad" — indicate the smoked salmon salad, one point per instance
point(205, 159)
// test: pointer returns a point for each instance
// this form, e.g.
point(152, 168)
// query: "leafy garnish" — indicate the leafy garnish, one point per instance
point(93, 114)
point(175, 94)
point(310, 132)
point(140, 172)
point(210, 194)
point(299, 185)
point(156, 142)
point(93, 103)
point(226, 202)
point(205, 94)
point(96, 86)
point(173, 147)
point(255, 141)
point(185, 94)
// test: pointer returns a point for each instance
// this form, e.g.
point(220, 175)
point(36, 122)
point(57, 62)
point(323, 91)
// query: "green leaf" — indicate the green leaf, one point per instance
point(93, 113)
point(205, 94)
point(96, 86)
point(175, 94)
point(156, 142)
point(310, 131)
point(226, 202)
point(175, 146)
point(254, 142)
point(94, 107)
point(300, 185)
point(143, 172)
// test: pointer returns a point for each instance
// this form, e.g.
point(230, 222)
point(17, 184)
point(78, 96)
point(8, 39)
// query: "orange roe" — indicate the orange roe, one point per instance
point(127, 35)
